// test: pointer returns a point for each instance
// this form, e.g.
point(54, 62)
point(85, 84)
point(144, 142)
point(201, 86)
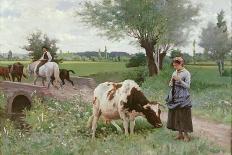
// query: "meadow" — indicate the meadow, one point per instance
point(59, 127)
point(84, 68)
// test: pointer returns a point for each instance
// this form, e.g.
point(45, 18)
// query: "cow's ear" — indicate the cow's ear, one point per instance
point(147, 106)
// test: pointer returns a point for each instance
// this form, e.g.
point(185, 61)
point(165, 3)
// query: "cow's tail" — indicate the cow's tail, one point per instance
point(71, 71)
point(89, 123)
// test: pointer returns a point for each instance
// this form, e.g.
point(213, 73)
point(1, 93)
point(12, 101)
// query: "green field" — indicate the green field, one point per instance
point(59, 127)
point(83, 68)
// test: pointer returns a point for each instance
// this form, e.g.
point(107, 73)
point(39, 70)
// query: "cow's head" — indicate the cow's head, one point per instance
point(152, 113)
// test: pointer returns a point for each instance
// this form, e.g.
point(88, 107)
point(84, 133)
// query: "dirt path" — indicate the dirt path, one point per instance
point(217, 133)
point(83, 89)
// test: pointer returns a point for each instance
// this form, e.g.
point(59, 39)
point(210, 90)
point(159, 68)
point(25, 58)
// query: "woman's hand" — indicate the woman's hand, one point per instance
point(176, 78)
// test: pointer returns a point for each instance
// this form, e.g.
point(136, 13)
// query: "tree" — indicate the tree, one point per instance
point(178, 24)
point(194, 52)
point(176, 53)
point(99, 54)
point(35, 43)
point(216, 41)
point(144, 20)
point(221, 23)
point(10, 55)
point(106, 55)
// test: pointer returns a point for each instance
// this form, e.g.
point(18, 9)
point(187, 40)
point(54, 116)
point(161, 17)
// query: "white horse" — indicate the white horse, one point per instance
point(45, 72)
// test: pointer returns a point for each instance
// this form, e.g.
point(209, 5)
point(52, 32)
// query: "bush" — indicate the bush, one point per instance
point(137, 60)
point(227, 72)
point(138, 75)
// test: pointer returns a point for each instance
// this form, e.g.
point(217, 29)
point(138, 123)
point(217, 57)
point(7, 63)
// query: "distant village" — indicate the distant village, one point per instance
point(70, 56)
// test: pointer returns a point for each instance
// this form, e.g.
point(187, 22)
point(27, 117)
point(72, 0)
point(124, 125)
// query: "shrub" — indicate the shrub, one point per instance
point(137, 60)
point(227, 72)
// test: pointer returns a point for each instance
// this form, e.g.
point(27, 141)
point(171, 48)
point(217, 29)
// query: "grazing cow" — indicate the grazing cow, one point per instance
point(123, 100)
point(64, 75)
point(16, 71)
point(5, 73)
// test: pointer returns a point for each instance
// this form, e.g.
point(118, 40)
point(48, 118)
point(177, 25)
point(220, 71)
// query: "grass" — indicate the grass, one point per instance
point(89, 68)
point(84, 68)
point(59, 128)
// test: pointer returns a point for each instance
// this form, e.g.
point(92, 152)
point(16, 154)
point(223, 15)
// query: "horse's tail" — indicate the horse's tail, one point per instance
point(71, 71)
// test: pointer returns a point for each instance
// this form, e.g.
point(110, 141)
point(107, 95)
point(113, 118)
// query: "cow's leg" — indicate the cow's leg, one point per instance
point(132, 121)
point(96, 115)
point(125, 121)
point(13, 78)
point(132, 125)
point(18, 78)
point(10, 77)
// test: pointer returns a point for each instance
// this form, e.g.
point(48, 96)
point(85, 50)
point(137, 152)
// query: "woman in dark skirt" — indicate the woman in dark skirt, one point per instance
point(179, 102)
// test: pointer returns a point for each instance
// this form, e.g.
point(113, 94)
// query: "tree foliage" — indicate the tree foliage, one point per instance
point(35, 43)
point(216, 41)
point(148, 21)
point(10, 55)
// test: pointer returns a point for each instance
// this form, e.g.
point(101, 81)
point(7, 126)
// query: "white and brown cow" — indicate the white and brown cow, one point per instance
point(124, 101)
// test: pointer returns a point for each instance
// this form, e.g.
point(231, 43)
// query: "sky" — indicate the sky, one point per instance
point(57, 19)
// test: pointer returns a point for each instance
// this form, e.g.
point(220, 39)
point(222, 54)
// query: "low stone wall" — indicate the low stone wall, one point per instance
point(19, 95)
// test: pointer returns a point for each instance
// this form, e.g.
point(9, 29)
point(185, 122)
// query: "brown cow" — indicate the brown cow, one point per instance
point(4, 73)
point(16, 71)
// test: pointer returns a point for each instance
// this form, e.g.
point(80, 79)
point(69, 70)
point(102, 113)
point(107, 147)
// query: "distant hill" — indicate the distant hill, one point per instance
point(96, 54)
point(121, 54)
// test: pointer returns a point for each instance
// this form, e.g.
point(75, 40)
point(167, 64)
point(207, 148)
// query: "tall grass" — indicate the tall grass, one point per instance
point(59, 128)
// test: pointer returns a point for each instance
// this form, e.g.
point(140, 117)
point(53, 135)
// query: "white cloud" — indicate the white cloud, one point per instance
point(19, 18)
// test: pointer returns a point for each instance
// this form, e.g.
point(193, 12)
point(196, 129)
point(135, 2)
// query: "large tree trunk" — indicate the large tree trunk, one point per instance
point(161, 58)
point(151, 63)
point(220, 64)
point(149, 48)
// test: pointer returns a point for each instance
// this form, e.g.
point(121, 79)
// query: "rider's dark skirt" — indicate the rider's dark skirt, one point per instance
point(180, 119)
